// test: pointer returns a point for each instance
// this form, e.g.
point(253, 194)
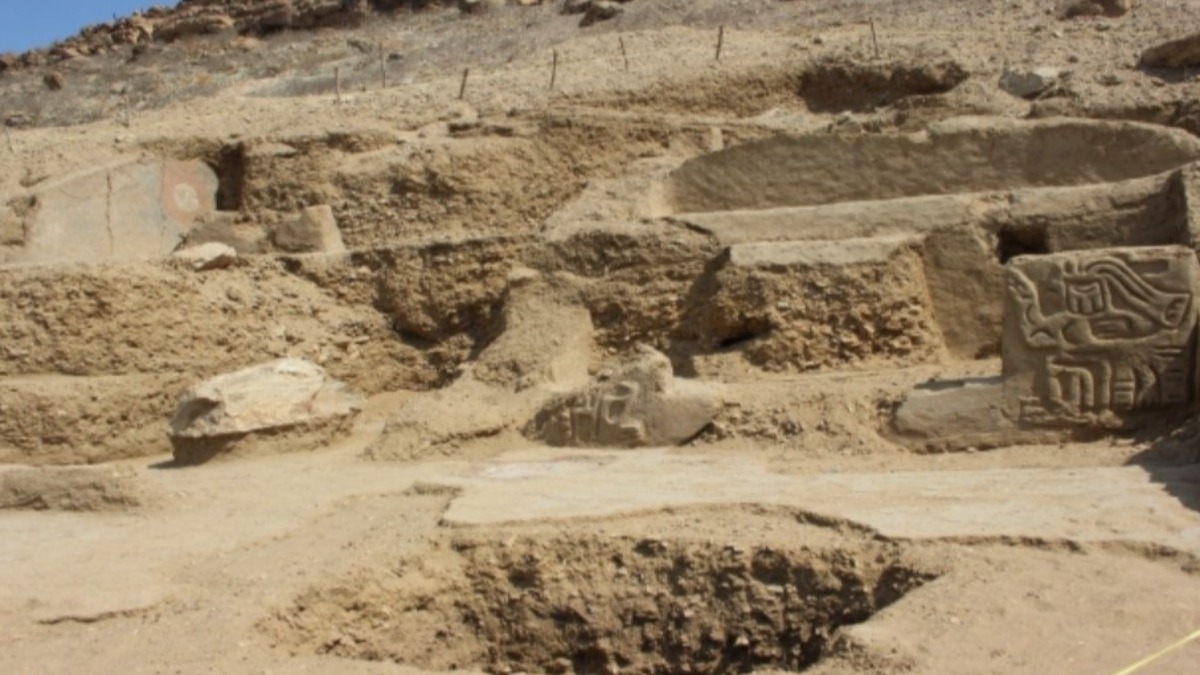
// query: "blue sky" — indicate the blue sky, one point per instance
point(37, 23)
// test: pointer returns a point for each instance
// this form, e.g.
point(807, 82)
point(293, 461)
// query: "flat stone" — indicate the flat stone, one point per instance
point(818, 253)
point(210, 256)
point(639, 404)
point(1098, 337)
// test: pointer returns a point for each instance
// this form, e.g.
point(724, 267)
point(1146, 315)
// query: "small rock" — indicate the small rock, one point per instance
point(478, 6)
point(600, 10)
point(210, 256)
point(53, 81)
point(1109, 8)
point(1181, 53)
point(1029, 83)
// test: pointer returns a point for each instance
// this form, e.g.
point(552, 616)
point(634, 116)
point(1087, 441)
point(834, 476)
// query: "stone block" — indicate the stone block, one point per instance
point(1098, 337)
point(314, 230)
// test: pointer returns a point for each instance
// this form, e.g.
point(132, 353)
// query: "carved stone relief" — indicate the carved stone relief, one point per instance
point(1095, 336)
point(640, 403)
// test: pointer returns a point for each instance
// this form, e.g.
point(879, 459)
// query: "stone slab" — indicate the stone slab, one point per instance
point(134, 210)
point(1097, 337)
point(817, 253)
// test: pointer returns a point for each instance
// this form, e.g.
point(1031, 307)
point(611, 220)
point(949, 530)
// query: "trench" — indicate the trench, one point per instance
point(591, 604)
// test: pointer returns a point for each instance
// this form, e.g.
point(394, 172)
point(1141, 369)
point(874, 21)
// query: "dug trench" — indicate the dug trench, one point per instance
point(648, 594)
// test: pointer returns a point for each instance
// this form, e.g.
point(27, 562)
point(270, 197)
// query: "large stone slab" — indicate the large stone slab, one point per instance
point(136, 210)
point(283, 395)
point(1097, 337)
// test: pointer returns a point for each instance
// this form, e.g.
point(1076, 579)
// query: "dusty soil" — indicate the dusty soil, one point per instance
point(509, 243)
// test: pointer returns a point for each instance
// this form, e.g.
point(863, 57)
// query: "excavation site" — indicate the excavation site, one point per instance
point(591, 337)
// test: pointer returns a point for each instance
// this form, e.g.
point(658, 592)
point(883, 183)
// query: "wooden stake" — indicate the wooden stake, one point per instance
point(462, 89)
point(720, 40)
point(874, 37)
point(382, 69)
point(337, 84)
point(554, 70)
point(624, 54)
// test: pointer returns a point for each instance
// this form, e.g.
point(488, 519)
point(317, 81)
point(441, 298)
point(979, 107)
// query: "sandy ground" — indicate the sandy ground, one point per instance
point(1069, 558)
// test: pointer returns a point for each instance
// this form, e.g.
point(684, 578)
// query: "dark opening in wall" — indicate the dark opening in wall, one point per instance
point(1023, 241)
point(230, 167)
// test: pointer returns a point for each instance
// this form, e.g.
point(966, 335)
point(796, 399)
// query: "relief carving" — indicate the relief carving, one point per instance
point(1093, 336)
point(637, 403)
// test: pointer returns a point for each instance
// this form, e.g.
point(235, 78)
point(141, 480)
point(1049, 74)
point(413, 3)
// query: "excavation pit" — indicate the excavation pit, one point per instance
point(600, 604)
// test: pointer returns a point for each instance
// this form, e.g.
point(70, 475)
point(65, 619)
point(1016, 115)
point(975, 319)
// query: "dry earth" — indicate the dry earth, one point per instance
point(812, 229)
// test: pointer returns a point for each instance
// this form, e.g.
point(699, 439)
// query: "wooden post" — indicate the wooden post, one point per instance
point(382, 69)
point(337, 84)
point(624, 54)
point(874, 37)
point(720, 40)
point(554, 70)
point(462, 89)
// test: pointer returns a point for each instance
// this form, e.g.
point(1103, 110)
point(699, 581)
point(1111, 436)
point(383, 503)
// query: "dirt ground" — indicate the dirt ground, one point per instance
point(593, 191)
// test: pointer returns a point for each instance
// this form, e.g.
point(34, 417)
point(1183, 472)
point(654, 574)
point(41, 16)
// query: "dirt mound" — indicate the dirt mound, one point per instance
point(70, 489)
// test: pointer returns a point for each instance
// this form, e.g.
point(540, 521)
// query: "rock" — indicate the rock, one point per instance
point(314, 230)
point(223, 227)
point(1109, 8)
point(576, 6)
point(478, 6)
point(7, 61)
point(210, 256)
point(280, 395)
point(600, 10)
point(638, 404)
point(1098, 338)
point(188, 25)
point(53, 81)
point(1181, 53)
point(953, 416)
point(1029, 83)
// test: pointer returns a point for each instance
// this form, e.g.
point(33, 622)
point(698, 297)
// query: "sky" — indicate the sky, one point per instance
point(26, 24)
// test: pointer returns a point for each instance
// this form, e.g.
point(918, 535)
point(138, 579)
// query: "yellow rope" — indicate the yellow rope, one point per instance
point(1157, 655)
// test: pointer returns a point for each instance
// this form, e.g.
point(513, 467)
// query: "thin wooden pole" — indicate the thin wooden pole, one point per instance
point(554, 70)
point(624, 54)
point(720, 40)
point(382, 69)
point(462, 89)
point(874, 37)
